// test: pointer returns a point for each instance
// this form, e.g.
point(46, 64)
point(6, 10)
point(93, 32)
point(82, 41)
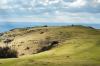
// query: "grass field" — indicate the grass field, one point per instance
point(81, 48)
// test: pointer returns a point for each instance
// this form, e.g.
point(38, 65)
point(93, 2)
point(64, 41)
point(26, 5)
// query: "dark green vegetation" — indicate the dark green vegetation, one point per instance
point(6, 52)
point(62, 46)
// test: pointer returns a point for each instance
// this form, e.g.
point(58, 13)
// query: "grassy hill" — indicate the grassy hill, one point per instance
point(61, 46)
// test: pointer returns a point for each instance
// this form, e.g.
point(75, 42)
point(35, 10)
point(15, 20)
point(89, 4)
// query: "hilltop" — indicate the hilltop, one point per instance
point(74, 45)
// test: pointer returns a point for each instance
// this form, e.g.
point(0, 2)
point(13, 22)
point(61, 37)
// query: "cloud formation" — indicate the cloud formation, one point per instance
point(66, 10)
point(51, 5)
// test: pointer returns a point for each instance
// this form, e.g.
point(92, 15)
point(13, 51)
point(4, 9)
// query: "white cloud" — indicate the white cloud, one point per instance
point(70, 18)
point(98, 1)
point(54, 1)
point(50, 10)
point(78, 3)
point(3, 2)
point(64, 5)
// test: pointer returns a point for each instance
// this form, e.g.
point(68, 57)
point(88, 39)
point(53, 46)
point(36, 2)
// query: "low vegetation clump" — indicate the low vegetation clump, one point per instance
point(0, 40)
point(45, 25)
point(6, 52)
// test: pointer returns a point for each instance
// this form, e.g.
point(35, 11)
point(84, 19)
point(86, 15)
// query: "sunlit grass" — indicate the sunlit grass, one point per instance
point(82, 48)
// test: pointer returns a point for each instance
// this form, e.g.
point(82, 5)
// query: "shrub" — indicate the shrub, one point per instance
point(47, 44)
point(45, 26)
point(1, 34)
point(7, 41)
point(6, 52)
point(0, 39)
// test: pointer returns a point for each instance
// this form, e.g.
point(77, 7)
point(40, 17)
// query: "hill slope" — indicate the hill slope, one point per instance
point(67, 46)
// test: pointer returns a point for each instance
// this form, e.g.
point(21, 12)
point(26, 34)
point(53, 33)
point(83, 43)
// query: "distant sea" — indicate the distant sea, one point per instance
point(6, 26)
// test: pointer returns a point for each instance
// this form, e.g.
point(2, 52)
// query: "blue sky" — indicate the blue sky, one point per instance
point(46, 11)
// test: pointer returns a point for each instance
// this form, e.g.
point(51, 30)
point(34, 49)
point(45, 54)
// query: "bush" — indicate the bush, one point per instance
point(47, 44)
point(45, 26)
point(0, 39)
point(6, 52)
